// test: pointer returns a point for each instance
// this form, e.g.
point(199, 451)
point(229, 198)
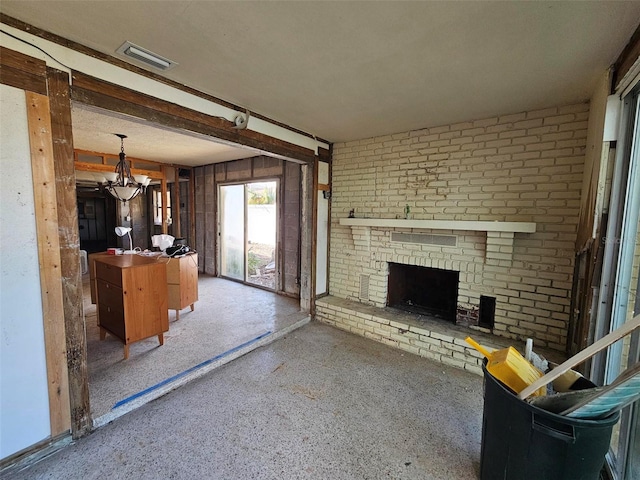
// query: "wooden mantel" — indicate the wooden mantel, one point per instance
point(515, 227)
point(500, 235)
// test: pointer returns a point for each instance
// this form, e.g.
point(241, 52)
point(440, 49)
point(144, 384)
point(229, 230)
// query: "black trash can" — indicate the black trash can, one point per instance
point(521, 441)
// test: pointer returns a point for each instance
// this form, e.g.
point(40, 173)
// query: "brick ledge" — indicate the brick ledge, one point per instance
point(429, 338)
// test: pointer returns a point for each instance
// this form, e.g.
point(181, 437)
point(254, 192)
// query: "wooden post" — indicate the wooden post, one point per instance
point(192, 207)
point(307, 270)
point(175, 198)
point(76, 341)
point(46, 215)
point(163, 194)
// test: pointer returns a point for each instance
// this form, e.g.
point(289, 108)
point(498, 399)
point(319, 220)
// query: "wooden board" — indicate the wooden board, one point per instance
point(585, 354)
point(46, 213)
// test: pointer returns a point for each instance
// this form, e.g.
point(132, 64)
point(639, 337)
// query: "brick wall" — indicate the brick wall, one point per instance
point(525, 167)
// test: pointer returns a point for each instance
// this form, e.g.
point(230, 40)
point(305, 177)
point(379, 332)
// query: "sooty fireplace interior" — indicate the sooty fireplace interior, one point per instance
point(423, 290)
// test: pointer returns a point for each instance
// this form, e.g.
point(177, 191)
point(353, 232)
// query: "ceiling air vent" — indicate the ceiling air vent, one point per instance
point(145, 56)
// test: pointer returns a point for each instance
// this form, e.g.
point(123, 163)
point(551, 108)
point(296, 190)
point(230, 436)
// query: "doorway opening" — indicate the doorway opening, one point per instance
point(96, 219)
point(181, 201)
point(248, 227)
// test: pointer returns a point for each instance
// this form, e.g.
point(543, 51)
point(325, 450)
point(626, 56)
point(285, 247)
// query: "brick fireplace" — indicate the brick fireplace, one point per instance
point(495, 200)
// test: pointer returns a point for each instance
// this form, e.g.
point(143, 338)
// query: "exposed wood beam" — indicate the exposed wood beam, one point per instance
point(46, 214)
point(95, 92)
point(21, 71)
point(100, 167)
point(60, 104)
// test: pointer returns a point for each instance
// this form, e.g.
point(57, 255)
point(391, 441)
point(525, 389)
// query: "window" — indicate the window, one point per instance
point(157, 207)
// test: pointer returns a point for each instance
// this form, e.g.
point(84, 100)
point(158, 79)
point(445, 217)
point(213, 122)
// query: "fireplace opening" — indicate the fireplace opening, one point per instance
point(423, 290)
point(487, 313)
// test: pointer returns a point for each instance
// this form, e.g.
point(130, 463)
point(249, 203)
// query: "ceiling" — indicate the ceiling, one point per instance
point(350, 70)
point(94, 129)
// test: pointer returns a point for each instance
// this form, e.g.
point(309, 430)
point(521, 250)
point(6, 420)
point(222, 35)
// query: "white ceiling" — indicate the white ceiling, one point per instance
point(350, 70)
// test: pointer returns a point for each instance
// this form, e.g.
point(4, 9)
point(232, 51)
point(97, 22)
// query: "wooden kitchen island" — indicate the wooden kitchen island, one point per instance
point(131, 297)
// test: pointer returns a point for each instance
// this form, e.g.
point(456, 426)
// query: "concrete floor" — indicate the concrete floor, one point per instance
point(227, 314)
point(319, 403)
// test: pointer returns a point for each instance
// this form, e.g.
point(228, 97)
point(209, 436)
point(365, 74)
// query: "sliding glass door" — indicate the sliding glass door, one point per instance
point(232, 238)
point(619, 290)
point(248, 238)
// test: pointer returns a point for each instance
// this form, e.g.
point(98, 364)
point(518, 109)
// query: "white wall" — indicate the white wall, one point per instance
point(24, 404)
point(322, 239)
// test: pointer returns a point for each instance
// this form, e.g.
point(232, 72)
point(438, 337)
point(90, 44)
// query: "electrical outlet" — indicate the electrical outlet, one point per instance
point(128, 218)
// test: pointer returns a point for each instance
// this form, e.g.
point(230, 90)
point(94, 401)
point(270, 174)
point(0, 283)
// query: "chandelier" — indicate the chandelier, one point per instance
point(121, 183)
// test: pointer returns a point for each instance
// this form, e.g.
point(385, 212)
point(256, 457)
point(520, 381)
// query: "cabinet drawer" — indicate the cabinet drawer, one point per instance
point(109, 294)
point(109, 273)
point(112, 319)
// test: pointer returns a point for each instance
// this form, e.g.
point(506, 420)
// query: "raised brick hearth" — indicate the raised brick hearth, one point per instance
point(437, 340)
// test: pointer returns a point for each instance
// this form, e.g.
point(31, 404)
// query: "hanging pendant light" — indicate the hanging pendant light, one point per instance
point(121, 183)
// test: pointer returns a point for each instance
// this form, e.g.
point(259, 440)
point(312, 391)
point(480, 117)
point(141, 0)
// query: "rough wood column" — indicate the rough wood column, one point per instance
point(307, 269)
point(210, 221)
point(198, 208)
point(76, 341)
point(177, 228)
point(192, 207)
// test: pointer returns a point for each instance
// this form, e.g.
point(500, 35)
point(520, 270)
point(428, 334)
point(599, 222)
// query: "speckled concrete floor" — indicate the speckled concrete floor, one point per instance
point(319, 403)
point(226, 315)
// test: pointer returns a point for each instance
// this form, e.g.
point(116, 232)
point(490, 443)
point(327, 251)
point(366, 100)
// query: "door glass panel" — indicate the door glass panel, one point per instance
point(232, 242)
point(625, 304)
point(261, 234)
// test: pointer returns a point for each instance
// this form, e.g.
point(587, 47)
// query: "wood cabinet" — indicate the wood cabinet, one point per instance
point(182, 282)
point(92, 274)
point(131, 297)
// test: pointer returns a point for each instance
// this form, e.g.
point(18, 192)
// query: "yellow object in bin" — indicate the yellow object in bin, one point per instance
point(511, 368)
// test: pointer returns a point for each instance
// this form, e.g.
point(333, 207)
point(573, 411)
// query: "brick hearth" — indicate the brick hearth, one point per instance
point(433, 339)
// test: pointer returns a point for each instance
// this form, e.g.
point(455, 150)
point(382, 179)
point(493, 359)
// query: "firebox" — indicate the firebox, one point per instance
point(423, 290)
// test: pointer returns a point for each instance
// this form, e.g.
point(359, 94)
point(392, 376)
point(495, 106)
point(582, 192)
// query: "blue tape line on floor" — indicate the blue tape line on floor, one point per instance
point(192, 369)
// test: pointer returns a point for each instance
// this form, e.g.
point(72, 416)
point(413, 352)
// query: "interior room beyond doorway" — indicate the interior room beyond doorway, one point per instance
point(219, 324)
